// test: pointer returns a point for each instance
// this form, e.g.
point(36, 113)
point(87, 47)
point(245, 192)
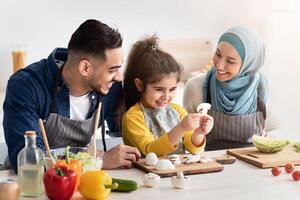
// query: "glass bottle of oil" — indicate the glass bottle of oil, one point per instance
point(31, 167)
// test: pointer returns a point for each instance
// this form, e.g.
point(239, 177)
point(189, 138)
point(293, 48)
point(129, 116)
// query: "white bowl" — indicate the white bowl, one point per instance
point(180, 182)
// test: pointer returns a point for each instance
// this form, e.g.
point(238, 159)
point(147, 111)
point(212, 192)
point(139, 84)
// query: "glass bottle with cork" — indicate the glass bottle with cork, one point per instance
point(31, 167)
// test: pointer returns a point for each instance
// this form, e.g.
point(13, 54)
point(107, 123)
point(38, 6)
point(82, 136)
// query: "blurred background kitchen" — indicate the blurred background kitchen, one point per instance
point(31, 29)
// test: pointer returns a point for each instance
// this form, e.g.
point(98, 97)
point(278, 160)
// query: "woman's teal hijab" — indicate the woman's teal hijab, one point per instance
point(239, 95)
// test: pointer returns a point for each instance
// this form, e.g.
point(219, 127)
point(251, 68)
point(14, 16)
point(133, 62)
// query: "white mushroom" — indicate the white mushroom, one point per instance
point(176, 162)
point(150, 179)
point(203, 108)
point(191, 158)
point(179, 181)
point(151, 159)
point(205, 159)
point(174, 156)
point(180, 174)
point(175, 159)
point(164, 164)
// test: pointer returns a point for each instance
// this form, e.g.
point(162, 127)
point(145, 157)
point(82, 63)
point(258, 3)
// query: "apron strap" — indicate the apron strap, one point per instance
point(103, 127)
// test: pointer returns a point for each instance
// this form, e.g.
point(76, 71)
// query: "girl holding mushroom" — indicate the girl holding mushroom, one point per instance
point(152, 123)
point(235, 88)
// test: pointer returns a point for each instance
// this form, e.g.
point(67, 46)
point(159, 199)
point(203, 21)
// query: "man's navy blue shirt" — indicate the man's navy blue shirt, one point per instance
point(29, 97)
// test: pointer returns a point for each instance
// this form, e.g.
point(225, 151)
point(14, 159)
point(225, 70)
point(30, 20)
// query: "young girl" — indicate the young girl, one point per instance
point(152, 123)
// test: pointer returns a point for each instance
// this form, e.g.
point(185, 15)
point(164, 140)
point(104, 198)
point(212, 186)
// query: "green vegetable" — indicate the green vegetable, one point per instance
point(297, 147)
point(268, 145)
point(84, 157)
point(124, 185)
point(88, 162)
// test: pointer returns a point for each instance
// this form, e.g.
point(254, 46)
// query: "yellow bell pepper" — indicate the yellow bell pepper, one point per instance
point(96, 185)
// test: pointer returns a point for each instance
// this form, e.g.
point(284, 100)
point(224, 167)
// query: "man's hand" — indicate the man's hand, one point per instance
point(121, 156)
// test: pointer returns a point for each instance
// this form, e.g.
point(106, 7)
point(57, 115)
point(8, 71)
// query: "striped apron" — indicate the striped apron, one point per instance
point(235, 131)
point(162, 121)
point(62, 131)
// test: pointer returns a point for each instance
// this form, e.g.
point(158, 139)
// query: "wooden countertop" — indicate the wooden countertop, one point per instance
point(237, 181)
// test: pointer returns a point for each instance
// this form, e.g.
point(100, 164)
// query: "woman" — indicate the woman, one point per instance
point(235, 88)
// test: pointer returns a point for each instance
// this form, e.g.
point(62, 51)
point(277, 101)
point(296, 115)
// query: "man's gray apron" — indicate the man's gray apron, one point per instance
point(161, 121)
point(62, 131)
point(235, 131)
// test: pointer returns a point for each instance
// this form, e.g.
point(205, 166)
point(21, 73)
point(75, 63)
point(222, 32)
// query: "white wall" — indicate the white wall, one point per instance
point(284, 70)
point(45, 24)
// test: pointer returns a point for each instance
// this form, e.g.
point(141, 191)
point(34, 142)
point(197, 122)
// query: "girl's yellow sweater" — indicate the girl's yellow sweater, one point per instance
point(136, 133)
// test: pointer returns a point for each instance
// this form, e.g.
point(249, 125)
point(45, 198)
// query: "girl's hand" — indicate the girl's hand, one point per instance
point(205, 125)
point(191, 121)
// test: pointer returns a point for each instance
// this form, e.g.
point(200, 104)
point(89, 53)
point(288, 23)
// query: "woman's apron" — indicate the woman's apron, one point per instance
point(162, 121)
point(235, 131)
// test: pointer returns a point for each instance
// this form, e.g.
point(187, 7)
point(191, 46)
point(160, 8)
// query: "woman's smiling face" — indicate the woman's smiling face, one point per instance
point(227, 62)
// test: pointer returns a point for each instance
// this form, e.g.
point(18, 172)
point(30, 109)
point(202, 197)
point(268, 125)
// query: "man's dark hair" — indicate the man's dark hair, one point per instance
point(94, 37)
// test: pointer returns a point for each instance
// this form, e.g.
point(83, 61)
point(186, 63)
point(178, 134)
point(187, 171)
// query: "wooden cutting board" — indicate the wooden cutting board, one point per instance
point(266, 160)
point(187, 169)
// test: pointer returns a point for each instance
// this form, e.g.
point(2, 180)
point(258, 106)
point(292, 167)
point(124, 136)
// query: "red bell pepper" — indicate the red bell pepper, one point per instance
point(60, 183)
point(75, 165)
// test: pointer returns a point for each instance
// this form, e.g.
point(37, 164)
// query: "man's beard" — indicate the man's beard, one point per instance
point(95, 89)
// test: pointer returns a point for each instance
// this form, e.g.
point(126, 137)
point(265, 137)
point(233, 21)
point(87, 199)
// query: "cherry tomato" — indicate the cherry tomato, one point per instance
point(296, 175)
point(276, 171)
point(289, 168)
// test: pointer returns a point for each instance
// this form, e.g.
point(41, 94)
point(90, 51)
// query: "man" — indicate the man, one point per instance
point(64, 91)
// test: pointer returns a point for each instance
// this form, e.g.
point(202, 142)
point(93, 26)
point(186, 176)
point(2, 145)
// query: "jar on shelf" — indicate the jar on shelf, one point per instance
point(19, 57)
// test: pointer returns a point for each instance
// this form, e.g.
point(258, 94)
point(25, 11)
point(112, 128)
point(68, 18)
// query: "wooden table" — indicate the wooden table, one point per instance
point(238, 181)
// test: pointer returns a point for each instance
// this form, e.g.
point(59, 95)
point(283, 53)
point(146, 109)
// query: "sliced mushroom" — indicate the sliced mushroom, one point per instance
point(191, 158)
point(204, 159)
point(175, 159)
point(203, 108)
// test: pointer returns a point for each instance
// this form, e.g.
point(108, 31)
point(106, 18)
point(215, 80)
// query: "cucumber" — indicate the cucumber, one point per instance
point(124, 185)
